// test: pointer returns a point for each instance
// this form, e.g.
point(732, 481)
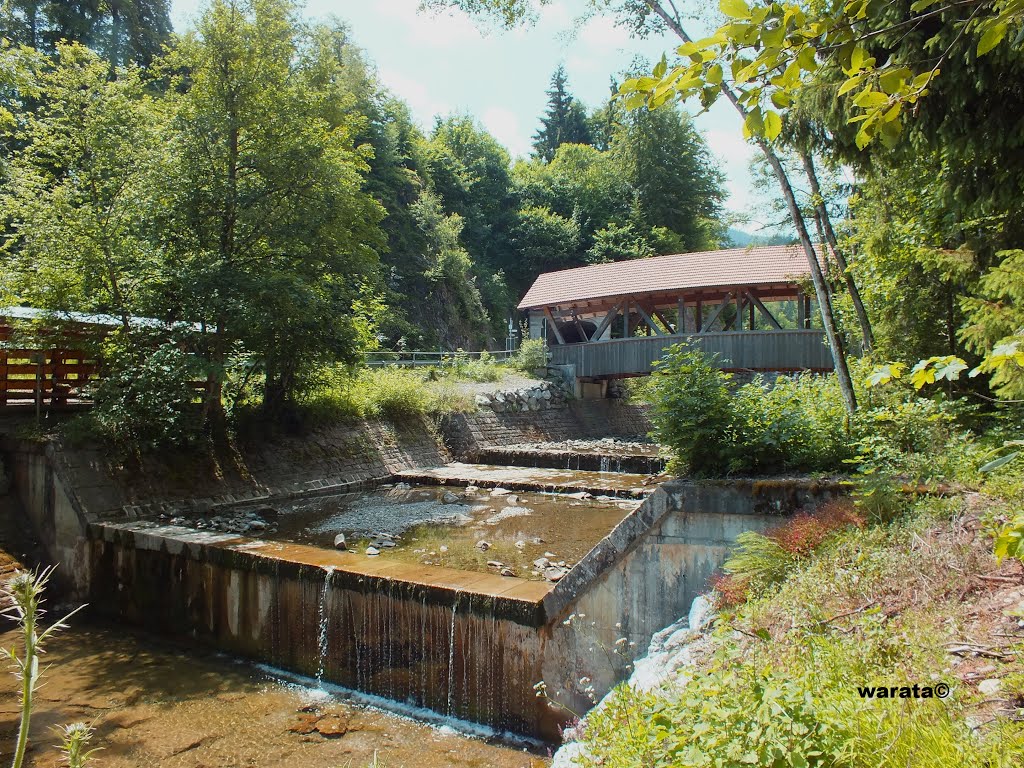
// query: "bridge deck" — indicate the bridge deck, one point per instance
point(784, 350)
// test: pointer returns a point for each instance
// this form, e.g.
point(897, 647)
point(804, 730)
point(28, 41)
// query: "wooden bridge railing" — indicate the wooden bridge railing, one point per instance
point(46, 376)
point(789, 350)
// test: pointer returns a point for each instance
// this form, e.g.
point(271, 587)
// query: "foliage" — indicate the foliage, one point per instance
point(777, 683)
point(794, 423)
point(692, 412)
point(995, 320)
point(395, 394)
point(565, 121)
point(123, 31)
point(265, 218)
point(1010, 540)
point(76, 190)
point(146, 399)
point(531, 356)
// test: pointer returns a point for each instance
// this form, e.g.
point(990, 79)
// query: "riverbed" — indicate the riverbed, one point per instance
point(154, 703)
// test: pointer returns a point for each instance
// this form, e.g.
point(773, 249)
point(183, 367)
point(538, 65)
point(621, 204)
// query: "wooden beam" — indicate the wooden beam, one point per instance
point(554, 325)
point(626, 330)
point(717, 312)
point(606, 323)
point(764, 311)
point(698, 316)
point(579, 327)
point(656, 314)
point(681, 319)
point(647, 319)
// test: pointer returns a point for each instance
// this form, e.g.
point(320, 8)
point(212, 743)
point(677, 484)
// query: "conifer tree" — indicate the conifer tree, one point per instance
point(565, 121)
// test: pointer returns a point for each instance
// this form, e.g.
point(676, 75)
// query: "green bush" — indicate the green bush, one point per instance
point(146, 399)
point(692, 412)
point(531, 356)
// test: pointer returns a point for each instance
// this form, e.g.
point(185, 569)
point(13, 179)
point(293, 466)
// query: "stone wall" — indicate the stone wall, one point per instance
point(467, 434)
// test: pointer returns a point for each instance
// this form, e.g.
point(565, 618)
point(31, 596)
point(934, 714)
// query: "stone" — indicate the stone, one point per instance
point(554, 574)
point(520, 545)
point(500, 492)
point(541, 563)
point(989, 686)
point(495, 564)
point(482, 400)
point(450, 498)
point(402, 487)
point(332, 726)
point(388, 543)
point(483, 546)
point(513, 499)
point(442, 549)
point(507, 572)
point(372, 551)
point(340, 542)
point(550, 554)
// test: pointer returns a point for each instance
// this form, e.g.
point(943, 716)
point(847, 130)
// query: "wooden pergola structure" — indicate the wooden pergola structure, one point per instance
point(746, 305)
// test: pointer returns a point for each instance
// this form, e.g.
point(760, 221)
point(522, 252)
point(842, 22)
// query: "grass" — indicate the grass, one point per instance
point(390, 393)
point(880, 604)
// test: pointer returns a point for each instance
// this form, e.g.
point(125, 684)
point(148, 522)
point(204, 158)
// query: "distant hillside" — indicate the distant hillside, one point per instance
point(740, 239)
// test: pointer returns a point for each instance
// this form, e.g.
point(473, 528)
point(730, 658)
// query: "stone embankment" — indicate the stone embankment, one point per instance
point(541, 397)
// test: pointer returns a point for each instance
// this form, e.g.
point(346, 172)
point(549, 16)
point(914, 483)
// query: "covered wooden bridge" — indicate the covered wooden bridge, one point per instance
point(746, 305)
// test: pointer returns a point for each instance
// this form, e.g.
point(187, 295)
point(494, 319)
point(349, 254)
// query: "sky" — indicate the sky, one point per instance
point(450, 63)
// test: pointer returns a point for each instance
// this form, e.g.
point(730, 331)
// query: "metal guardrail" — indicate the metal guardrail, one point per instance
point(414, 359)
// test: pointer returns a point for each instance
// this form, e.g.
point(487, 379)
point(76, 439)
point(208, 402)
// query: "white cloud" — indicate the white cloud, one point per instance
point(503, 124)
point(600, 33)
point(421, 101)
point(440, 29)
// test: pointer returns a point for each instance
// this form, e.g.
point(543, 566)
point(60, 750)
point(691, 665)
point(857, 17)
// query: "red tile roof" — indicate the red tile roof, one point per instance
point(759, 265)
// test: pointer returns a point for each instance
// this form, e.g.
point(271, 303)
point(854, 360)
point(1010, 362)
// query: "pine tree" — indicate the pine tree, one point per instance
point(565, 121)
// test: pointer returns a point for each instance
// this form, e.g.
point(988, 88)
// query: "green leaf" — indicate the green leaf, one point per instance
point(714, 75)
point(995, 464)
point(737, 9)
point(869, 98)
point(772, 125)
point(992, 37)
point(850, 84)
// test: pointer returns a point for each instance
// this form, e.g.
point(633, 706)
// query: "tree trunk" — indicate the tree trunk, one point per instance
point(867, 335)
point(820, 287)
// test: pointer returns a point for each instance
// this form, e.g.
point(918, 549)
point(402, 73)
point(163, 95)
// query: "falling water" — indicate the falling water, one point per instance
point(322, 615)
point(605, 464)
point(451, 655)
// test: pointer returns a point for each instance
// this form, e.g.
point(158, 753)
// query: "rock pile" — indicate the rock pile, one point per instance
point(539, 398)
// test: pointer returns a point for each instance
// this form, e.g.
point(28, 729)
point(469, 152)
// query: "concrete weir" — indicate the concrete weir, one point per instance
point(466, 644)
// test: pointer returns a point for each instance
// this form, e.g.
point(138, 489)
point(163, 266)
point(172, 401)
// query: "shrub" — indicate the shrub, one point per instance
point(146, 399)
point(531, 356)
point(692, 411)
point(761, 560)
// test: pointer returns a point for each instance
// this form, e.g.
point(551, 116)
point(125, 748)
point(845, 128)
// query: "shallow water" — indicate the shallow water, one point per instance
point(514, 529)
point(157, 704)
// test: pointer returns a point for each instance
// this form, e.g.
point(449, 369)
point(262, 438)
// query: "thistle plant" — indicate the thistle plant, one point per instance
point(74, 740)
point(24, 591)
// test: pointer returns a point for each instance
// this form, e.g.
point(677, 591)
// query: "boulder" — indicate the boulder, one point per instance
point(340, 542)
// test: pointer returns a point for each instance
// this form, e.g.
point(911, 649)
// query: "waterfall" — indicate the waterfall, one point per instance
point(322, 619)
point(605, 464)
point(451, 655)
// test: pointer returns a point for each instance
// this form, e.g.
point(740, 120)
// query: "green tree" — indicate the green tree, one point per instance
point(122, 31)
point(673, 175)
point(544, 241)
point(564, 122)
point(76, 193)
point(268, 231)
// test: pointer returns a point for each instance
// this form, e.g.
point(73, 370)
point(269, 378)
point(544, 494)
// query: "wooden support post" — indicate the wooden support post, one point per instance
point(554, 325)
point(579, 328)
point(801, 312)
point(681, 319)
point(750, 307)
point(647, 319)
point(626, 330)
point(698, 316)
